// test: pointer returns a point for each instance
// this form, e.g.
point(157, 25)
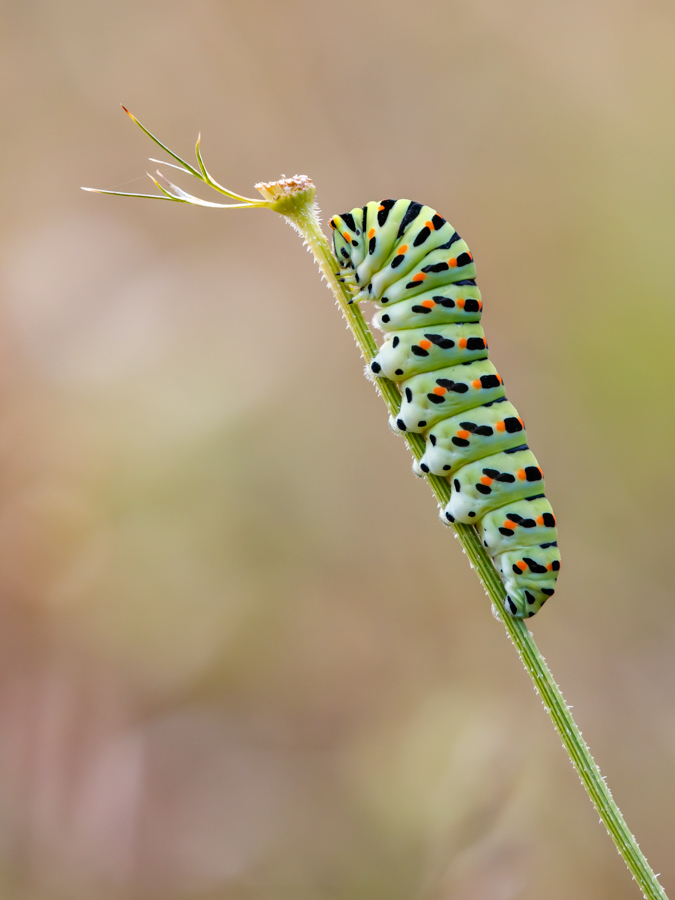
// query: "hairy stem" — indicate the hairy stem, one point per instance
point(306, 221)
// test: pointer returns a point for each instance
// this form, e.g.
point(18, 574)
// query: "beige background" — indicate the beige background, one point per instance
point(240, 659)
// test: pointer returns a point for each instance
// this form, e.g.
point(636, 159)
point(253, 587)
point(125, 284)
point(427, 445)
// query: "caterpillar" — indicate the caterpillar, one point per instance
point(411, 262)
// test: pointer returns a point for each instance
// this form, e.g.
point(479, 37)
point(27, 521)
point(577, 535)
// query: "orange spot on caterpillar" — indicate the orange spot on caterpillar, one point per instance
point(509, 524)
point(332, 223)
point(463, 435)
point(550, 567)
point(401, 250)
point(380, 208)
point(476, 383)
point(480, 305)
point(540, 520)
point(486, 480)
point(500, 426)
point(425, 345)
point(419, 277)
point(345, 235)
point(462, 343)
point(452, 262)
point(371, 233)
point(428, 303)
point(521, 474)
point(461, 302)
point(440, 391)
point(430, 226)
point(521, 565)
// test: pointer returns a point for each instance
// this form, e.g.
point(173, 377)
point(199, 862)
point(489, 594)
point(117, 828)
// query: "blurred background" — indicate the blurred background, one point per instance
point(240, 659)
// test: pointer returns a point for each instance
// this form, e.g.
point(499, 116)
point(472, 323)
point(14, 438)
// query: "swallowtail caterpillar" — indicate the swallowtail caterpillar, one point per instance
point(413, 265)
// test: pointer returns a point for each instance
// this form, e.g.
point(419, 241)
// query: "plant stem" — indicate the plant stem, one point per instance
point(305, 220)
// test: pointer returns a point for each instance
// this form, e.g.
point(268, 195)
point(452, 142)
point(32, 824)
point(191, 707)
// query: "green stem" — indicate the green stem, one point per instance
point(305, 220)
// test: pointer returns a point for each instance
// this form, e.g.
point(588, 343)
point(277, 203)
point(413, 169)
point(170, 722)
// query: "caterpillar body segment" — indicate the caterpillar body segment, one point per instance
point(473, 435)
point(412, 263)
point(489, 483)
point(432, 396)
point(518, 525)
point(415, 350)
point(436, 306)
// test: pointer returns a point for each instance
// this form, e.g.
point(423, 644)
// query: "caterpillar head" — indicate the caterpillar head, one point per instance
point(348, 240)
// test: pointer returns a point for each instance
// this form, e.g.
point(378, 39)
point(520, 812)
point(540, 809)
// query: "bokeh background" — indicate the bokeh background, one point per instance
point(239, 657)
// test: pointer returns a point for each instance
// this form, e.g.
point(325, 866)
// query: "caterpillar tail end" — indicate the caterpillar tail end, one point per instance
point(523, 603)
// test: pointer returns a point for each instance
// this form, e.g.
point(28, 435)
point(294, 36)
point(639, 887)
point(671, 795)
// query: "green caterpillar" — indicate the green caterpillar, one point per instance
point(412, 263)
